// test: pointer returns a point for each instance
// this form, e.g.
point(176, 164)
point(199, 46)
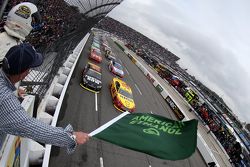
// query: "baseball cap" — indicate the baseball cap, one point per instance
point(21, 57)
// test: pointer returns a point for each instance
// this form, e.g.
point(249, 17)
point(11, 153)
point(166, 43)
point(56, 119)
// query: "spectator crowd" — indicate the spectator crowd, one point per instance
point(61, 28)
point(135, 39)
point(212, 119)
point(216, 121)
point(58, 19)
point(222, 132)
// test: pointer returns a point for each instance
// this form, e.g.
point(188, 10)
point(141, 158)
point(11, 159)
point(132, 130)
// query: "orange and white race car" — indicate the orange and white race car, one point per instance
point(95, 55)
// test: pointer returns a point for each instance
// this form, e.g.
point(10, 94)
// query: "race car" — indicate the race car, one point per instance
point(96, 44)
point(95, 55)
point(116, 68)
point(111, 57)
point(94, 67)
point(107, 53)
point(91, 78)
point(122, 95)
point(105, 43)
point(106, 47)
point(94, 47)
point(97, 39)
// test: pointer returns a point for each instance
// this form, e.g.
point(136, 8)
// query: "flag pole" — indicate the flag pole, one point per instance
point(106, 125)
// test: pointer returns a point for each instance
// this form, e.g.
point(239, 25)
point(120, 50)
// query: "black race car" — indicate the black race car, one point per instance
point(91, 78)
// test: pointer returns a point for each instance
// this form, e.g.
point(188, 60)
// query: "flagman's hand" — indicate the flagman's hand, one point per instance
point(21, 92)
point(81, 137)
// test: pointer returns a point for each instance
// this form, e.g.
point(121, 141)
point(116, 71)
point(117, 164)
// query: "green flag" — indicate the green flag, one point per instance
point(151, 134)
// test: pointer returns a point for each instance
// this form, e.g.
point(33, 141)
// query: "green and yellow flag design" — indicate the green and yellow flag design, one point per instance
point(151, 134)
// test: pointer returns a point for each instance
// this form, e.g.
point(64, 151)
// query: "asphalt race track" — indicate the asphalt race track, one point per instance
point(86, 111)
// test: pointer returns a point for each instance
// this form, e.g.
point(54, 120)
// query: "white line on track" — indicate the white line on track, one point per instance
point(101, 162)
point(138, 89)
point(96, 109)
point(126, 70)
point(149, 166)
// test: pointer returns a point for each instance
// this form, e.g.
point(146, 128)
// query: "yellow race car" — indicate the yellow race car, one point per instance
point(122, 95)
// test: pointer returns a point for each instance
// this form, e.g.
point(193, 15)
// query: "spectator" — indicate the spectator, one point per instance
point(13, 118)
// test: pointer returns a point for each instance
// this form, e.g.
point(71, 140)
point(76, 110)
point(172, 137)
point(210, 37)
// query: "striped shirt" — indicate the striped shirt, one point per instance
point(15, 120)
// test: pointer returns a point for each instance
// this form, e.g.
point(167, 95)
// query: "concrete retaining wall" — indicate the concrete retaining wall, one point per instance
point(59, 87)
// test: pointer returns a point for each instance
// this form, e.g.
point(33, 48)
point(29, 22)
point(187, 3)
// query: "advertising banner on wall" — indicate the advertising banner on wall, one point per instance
point(174, 108)
point(159, 88)
point(14, 154)
point(150, 78)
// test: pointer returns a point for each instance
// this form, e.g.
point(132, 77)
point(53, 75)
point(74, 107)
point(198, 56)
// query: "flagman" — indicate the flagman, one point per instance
point(14, 119)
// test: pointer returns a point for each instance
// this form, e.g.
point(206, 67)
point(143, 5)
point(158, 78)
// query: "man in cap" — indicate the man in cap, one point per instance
point(13, 118)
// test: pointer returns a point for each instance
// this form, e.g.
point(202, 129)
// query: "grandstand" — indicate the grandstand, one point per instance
point(138, 40)
point(59, 33)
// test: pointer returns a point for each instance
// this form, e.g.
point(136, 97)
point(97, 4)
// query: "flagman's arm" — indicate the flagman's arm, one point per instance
point(15, 120)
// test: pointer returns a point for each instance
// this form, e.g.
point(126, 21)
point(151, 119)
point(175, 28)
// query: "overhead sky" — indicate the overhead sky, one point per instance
point(211, 37)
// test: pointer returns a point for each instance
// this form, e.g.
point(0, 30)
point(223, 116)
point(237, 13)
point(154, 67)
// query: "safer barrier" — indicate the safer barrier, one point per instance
point(63, 80)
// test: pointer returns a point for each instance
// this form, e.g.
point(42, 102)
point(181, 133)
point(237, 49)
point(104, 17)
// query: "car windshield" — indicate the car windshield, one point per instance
point(117, 65)
point(94, 74)
point(125, 93)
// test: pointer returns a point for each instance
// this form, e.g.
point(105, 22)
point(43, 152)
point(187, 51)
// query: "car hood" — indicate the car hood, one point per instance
point(93, 80)
point(127, 102)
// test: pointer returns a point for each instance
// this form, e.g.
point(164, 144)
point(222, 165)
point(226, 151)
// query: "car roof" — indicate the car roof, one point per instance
point(94, 67)
point(96, 51)
point(90, 69)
